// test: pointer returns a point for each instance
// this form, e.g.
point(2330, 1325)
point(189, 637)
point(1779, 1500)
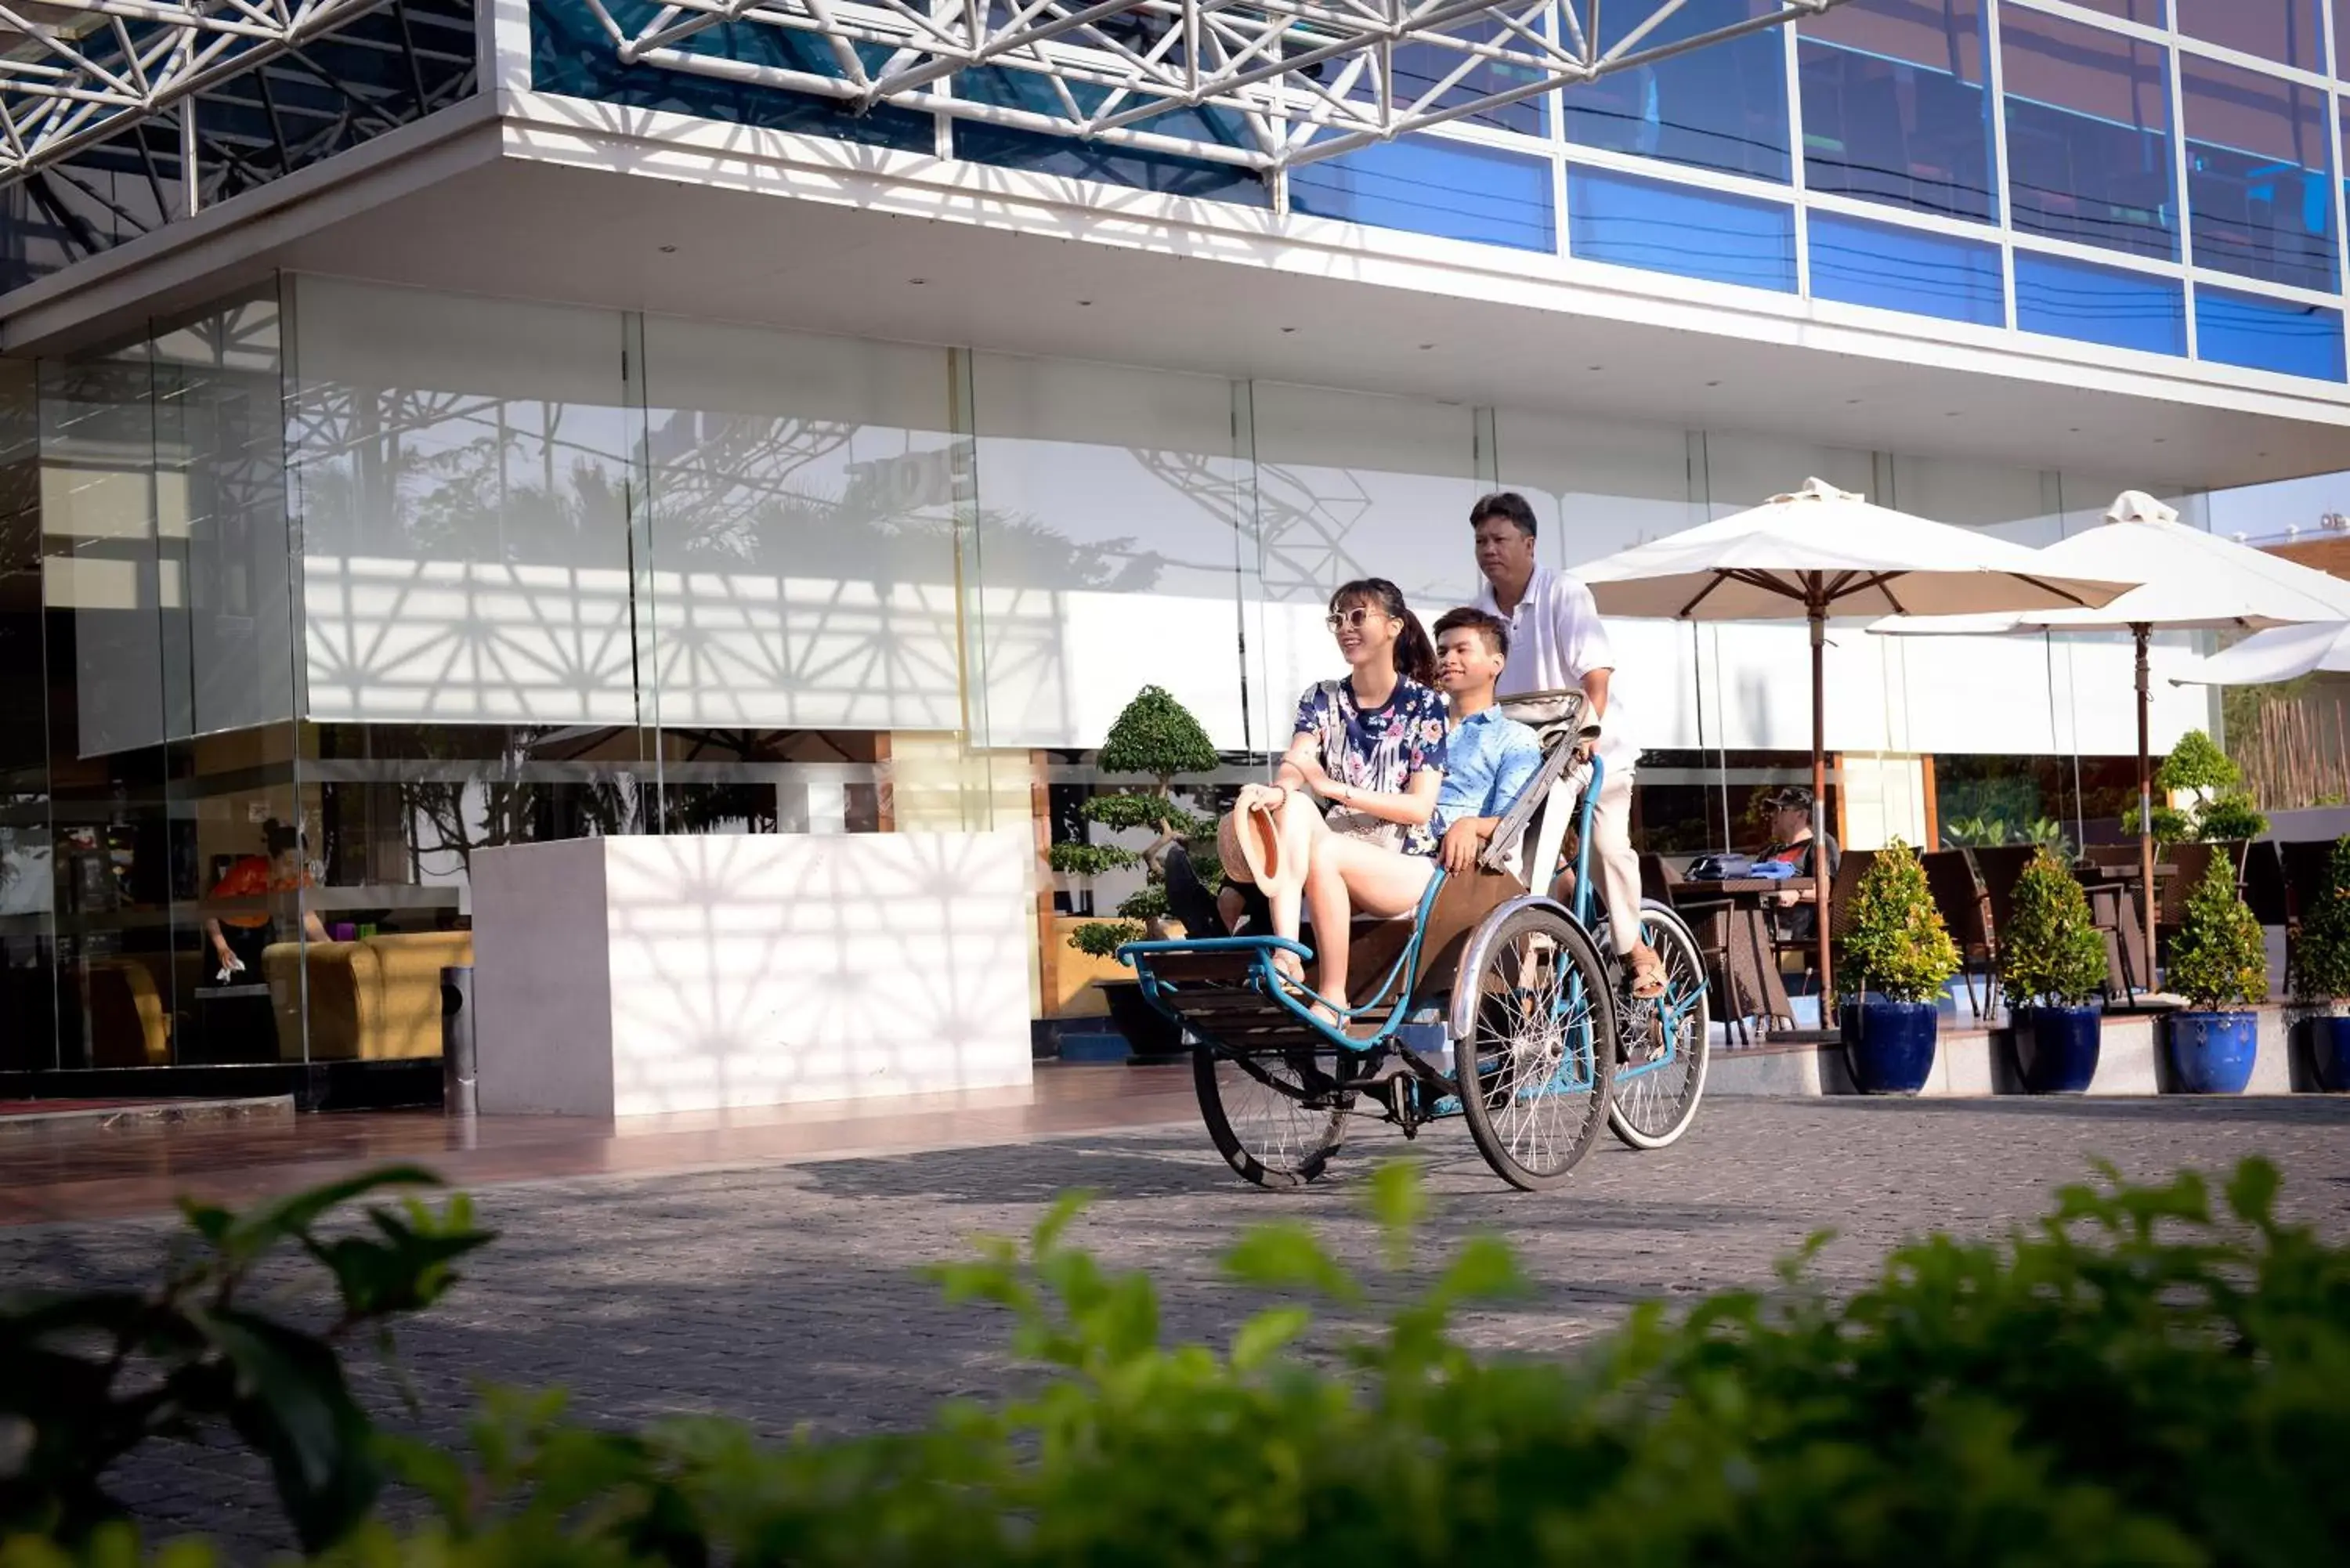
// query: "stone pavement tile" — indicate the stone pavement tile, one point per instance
point(789, 1294)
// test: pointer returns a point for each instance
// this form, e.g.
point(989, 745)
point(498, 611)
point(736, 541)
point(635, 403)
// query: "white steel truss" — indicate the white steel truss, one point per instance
point(1285, 82)
point(73, 72)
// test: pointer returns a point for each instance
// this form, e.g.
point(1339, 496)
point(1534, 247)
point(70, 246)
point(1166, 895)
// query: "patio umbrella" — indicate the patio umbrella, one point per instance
point(1819, 552)
point(2281, 653)
point(2190, 580)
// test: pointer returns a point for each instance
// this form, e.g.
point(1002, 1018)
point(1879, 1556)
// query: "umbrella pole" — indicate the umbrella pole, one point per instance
point(1820, 922)
point(2145, 804)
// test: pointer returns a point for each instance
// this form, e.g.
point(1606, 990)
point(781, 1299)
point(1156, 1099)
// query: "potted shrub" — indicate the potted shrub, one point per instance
point(2321, 972)
point(2217, 959)
point(1895, 960)
point(2051, 963)
point(1156, 737)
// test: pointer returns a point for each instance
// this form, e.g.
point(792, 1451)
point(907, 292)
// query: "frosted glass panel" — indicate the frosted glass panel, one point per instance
point(98, 556)
point(461, 466)
point(803, 530)
point(1596, 485)
point(1351, 485)
point(1112, 520)
point(1742, 471)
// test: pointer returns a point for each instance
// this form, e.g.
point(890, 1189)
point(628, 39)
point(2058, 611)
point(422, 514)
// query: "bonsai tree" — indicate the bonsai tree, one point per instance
point(2321, 949)
point(1898, 946)
point(2171, 825)
point(2218, 956)
point(2049, 950)
point(2197, 765)
point(2231, 816)
point(1157, 737)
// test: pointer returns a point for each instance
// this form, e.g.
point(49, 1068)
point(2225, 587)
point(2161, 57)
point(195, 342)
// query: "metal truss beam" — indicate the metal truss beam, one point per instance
point(1265, 85)
point(75, 72)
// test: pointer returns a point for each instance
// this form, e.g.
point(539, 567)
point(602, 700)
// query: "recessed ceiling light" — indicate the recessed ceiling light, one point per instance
point(918, 282)
point(2159, 439)
point(1950, 413)
point(669, 250)
point(1713, 383)
point(1428, 346)
point(1595, 367)
point(1085, 302)
point(2074, 429)
point(1848, 402)
point(1289, 329)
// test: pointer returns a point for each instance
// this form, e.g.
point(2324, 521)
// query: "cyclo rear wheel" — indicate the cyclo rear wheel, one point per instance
point(1268, 1129)
point(1534, 1061)
point(1663, 1044)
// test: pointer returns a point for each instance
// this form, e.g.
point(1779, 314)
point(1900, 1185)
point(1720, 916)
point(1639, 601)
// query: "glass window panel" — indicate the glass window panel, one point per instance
point(1906, 269)
point(2088, 143)
point(2067, 298)
point(1112, 515)
point(2261, 334)
point(2291, 32)
point(1679, 229)
point(1596, 485)
point(1722, 107)
point(2342, 38)
point(1895, 107)
point(2259, 192)
point(2147, 12)
point(1420, 65)
point(803, 523)
point(461, 470)
point(1430, 186)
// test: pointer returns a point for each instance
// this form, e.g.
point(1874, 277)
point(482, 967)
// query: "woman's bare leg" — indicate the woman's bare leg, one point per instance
point(1349, 876)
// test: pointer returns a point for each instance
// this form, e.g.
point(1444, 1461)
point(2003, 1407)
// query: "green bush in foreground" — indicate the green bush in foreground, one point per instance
point(2128, 1382)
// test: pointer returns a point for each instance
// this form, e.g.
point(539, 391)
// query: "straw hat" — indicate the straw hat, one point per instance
point(1273, 844)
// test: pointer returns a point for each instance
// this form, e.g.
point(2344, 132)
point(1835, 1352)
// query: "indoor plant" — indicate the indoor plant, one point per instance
point(2321, 972)
point(2051, 964)
point(1896, 960)
point(2217, 958)
point(1154, 736)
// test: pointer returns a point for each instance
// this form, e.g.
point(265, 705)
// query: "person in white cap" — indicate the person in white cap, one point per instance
point(1557, 643)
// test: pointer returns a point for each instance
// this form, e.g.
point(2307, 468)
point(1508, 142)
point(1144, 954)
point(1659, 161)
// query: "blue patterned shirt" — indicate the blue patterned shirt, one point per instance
point(1488, 759)
point(1377, 749)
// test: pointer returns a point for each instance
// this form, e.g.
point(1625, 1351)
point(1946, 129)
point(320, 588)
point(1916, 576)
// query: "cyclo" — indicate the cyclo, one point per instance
point(1490, 1001)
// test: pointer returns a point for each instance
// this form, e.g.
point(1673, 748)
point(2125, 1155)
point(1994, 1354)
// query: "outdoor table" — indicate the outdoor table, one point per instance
point(2113, 894)
point(1746, 984)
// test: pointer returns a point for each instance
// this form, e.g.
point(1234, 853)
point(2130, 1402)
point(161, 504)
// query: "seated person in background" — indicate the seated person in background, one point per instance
point(1792, 844)
point(1488, 760)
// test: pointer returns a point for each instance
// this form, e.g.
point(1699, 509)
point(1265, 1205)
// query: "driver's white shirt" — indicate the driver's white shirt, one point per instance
point(1555, 638)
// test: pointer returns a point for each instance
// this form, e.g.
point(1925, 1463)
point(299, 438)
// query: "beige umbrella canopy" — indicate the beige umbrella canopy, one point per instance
point(2190, 580)
point(1820, 552)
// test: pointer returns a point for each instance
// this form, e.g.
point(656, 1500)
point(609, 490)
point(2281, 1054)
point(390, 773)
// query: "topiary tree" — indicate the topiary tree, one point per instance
point(2218, 956)
point(2233, 815)
point(2198, 764)
point(2321, 949)
point(1157, 737)
point(2171, 825)
point(2049, 950)
point(1897, 945)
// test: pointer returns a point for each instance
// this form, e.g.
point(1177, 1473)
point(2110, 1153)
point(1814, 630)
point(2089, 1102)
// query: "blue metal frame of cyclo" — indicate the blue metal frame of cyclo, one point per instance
point(1273, 984)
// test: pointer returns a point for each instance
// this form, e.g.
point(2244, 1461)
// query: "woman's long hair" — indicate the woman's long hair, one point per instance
point(1415, 654)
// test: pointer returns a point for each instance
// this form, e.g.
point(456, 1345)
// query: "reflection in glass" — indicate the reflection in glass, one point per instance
point(1722, 106)
point(2259, 189)
point(2262, 334)
point(2066, 299)
point(1906, 269)
point(1662, 227)
point(1895, 107)
point(2088, 144)
point(1432, 186)
point(2291, 32)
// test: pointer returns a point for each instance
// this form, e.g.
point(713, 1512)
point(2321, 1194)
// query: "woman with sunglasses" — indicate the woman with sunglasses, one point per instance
point(1365, 757)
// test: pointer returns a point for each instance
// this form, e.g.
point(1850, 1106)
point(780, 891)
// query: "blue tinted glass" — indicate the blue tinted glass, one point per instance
point(2088, 143)
point(1722, 107)
point(1902, 269)
point(1675, 228)
point(2268, 333)
point(2288, 31)
point(1421, 64)
point(2099, 305)
point(1895, 108)
point(1433, 187)
point(2259, 188)
point(1080, 160)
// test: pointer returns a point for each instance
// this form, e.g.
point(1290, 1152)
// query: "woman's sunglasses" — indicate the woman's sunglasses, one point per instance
point(1353, 620)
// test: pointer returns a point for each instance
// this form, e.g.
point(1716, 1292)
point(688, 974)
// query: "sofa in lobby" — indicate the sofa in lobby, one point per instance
point(374, 1000)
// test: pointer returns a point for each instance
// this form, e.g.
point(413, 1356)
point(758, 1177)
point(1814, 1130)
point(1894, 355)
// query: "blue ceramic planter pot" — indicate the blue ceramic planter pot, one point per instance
point(1888, 1044)
point(2329, 1053)
point(2056, 1048)
point(2212, 1053)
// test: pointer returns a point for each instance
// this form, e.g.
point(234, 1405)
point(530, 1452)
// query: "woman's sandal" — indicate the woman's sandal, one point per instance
point(1647, 975)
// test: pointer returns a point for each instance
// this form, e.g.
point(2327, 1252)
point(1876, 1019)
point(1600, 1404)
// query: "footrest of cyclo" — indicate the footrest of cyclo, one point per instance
point(1225, 991)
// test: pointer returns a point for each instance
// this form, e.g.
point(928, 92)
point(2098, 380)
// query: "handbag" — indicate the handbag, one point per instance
point(1347, 822)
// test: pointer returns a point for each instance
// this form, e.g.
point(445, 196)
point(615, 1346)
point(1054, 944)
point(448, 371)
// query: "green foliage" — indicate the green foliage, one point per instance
point(2230, 818)
point(1157, 735)
point(1989, 831)
point(1897, 945)
point(2050, 950)
point(87, 1377)
point(2171, 825)
point(1100, 939)
point(1088, 859)
point(1148, 902)
point(1161, 814)
point(2218, 956)
point(2321, 949)
point(2197, 762)
point(2141, 1378)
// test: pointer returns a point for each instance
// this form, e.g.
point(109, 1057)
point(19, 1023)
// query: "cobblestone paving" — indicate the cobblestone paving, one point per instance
point(792, 1294)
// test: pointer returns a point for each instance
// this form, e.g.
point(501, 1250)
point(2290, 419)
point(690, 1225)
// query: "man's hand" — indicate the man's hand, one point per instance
point(1463, 842)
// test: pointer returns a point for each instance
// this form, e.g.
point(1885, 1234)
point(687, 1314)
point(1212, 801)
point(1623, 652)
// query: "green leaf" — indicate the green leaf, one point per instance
point(292, 1403)
point(1285, 1255)
point(1088, 859)
point(1265, 1334)
point(1398, 1202)
point(264, 1227)
point(1897, 944)
point(1157, 735)
point(1100, 939)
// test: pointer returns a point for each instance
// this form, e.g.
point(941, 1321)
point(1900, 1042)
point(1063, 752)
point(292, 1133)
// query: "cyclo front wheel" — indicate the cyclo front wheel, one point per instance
point(1536, 1060)
point(1266, 1119)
